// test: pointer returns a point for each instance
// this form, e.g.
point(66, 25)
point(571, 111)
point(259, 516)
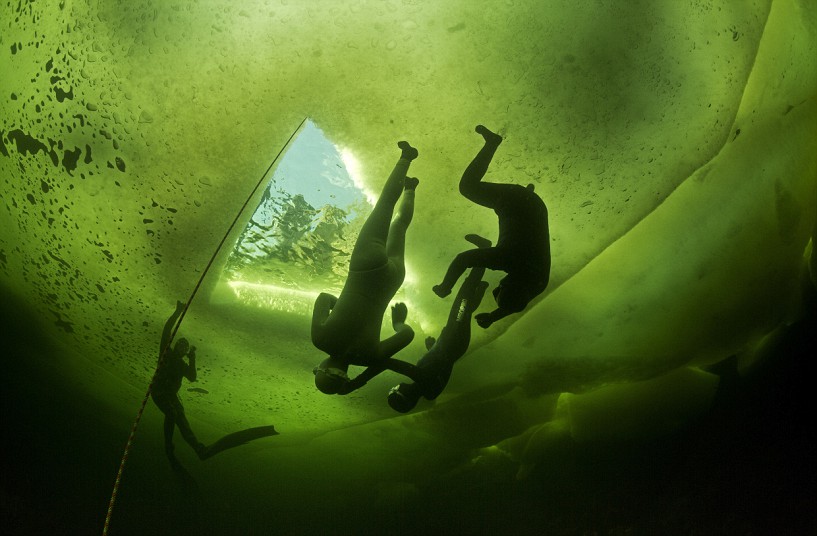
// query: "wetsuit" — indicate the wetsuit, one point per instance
point(523, 247)
point(435, 367)
point(165, 387)
point(352, 328)
point(164, 390)
point(348, 327)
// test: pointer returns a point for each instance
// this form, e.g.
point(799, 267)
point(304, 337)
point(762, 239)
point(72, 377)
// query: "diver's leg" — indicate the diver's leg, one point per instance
point(370, 249)
point(161, 401)
point(470, 294)
point(396, 241)
point(406, 369)
point(471, 185)
point(168, 429)
point(473, 258)
point(184, 428)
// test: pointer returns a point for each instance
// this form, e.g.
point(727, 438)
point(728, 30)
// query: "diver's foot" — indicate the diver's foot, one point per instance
point(202, 451)
point(441, 291)
point(409, 152)
point(491, 138)
point(411, 183)
point(478, 240)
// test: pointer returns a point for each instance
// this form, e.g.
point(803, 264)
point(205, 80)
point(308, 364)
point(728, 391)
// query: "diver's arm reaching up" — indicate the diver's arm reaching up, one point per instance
point(403, 333)
point(165, 342)
point(190, 371)
point(396, 342)
point(320, 312)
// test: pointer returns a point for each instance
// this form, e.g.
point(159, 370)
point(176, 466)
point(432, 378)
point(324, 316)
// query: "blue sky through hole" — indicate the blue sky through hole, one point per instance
point(302, 231)
point(313, 167)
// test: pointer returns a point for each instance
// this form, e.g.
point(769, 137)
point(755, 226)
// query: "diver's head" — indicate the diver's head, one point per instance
point(330, 376)
point(182, 347)
point(510, 296)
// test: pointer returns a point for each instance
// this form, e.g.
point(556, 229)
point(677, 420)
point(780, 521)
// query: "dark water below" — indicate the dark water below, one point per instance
point(749, 468)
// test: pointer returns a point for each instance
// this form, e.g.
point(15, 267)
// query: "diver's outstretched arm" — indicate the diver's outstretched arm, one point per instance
point(165, 342)
point(395, 365)
point(406, 369)
point(362, 379)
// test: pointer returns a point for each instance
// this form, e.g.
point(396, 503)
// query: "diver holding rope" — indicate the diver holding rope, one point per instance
point(167, 381)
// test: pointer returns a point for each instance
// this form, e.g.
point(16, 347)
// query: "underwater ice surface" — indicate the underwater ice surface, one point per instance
point(674, 144)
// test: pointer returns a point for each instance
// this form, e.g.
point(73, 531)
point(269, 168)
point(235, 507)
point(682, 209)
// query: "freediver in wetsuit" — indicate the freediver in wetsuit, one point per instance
point(434, 368)
point(348, 327)
point(523, 247)
point(165, 388)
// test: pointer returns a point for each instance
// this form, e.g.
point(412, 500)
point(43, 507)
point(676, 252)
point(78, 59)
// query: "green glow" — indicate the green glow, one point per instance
point(278, 298)
point(674, 143)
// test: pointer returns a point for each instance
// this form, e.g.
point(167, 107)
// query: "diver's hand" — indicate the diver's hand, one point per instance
point(329, 299)
point(399, 313)
point(484, 320)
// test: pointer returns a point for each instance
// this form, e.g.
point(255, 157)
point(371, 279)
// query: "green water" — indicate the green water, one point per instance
point(672, 142)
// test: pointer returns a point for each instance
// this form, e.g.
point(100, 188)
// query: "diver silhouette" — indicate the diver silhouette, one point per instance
point(164, 390)
point(523, 247)
point(348, 327)
point(434, 368)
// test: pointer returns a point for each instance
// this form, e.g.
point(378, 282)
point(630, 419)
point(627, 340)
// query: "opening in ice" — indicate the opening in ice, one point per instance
point(298, 240)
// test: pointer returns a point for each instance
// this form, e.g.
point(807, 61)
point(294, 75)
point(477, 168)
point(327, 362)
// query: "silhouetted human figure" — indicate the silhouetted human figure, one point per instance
point(337, 378)
point(164, 390)
point(434, 368)
point(348, 327)
point(523, 247)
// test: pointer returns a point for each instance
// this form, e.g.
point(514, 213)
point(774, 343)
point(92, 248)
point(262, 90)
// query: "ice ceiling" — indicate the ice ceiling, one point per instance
point(675, 144)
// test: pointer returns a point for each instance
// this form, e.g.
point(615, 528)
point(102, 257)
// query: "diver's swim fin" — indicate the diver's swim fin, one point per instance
point(237, 438)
